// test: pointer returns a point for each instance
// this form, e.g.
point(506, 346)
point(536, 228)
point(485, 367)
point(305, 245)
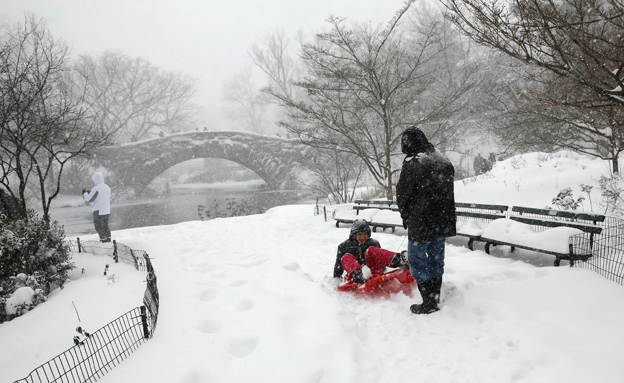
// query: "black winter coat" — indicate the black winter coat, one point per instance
point(353, 247)
point(425, 196)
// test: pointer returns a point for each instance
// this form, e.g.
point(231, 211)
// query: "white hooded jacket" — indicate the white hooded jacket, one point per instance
point(99, 197)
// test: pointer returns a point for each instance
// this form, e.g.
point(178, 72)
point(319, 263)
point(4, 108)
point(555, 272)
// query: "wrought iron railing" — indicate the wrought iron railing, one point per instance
point(607, 250)
point(329, 211)
point(95, 354)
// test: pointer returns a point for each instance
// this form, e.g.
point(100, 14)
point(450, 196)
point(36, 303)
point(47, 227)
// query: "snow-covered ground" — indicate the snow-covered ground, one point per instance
point(252, 299)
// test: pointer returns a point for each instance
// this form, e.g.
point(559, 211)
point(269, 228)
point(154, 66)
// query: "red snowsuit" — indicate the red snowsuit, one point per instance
point(375, 257)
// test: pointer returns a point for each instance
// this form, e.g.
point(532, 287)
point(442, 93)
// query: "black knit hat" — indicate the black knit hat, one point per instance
point(414, 141)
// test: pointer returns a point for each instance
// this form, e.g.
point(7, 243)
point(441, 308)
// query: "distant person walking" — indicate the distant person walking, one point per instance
point(99, 197)
point(426, 201)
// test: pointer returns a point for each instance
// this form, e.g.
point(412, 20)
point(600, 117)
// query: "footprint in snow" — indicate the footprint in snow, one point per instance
point(198, 376)
point(238, 283)
point(209, 326)
point(241, 347)
point(207, 295)
point(293, 266)
point(254, 263)
point(244, 305)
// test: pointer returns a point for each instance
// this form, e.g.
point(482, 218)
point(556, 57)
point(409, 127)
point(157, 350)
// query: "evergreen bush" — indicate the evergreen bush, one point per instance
point(33, 255)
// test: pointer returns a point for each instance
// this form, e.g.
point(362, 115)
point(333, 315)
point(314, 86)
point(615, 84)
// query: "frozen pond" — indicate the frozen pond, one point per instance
point(184, 204)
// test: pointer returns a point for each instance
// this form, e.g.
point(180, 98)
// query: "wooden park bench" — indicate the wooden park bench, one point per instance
point(348, 216)
point(473, 218)
point(368, 207)
point(387, 219)
point(564, 234)
point(361, 204)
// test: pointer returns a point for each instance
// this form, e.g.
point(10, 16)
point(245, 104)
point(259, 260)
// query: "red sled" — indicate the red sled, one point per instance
point(392, 282)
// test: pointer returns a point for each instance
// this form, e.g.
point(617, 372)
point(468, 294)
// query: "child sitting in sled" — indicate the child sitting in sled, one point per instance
point(362, 256)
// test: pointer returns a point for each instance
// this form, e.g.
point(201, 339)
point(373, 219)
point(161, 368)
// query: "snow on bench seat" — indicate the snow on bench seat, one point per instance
point(348, 216)
point(471, 227)
point(386, 219)
point(555, 241)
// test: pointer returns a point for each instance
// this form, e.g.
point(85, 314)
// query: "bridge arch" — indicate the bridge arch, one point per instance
point(135, 165)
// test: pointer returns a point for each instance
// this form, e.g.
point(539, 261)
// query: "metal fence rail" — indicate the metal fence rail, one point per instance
point(607, 250)
point(329, 212)
point(97, 353)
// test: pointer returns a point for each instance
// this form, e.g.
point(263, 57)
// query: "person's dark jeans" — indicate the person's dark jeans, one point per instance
point(101, 226)
point(426, 259)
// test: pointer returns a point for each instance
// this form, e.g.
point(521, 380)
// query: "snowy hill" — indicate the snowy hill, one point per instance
point(252, 299)
point(534, 179)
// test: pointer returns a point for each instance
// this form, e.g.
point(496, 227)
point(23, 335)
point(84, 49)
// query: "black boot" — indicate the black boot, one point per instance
point(357, 276)
point(429, 305)
point(437, 286)
point(400, 260)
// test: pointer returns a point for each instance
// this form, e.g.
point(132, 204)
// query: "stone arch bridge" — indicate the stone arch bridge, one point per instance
point(135, 165)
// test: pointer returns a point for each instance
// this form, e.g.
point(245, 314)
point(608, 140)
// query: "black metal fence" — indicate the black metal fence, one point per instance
point(329, 212)
point(607, 250)
point(98, 352)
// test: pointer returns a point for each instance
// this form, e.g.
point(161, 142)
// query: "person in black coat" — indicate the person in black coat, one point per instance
point(426, 201)
point(361, 256)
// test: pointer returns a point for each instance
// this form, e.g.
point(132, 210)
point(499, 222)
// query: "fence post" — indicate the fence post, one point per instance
point(115, 255)
point(78, 240)
point(325, 212)
point(146, 333)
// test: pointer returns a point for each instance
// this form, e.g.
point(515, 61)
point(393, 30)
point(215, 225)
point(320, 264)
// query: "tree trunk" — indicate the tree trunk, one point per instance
point(389, 194)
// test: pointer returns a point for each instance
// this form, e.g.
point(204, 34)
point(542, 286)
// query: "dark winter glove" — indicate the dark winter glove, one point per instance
point(85, 191)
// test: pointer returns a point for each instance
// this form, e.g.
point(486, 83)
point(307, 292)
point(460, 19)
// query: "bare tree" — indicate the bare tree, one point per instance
point(274, 57)
point(135, 99)
point(576, 50)
point(246, 105)
point(360, 84)
point(363, 86)
point(336, 174)
point(42, 123)
point(447, 110)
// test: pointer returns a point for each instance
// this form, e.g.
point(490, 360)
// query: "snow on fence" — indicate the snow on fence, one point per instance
point(100, 351)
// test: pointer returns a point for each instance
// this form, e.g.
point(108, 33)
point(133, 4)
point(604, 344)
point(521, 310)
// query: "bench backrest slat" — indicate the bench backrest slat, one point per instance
point(560, 214)
point(372, 202)
point(501, 208)
point(588, 228)
point(360, 207)
point(473, 214)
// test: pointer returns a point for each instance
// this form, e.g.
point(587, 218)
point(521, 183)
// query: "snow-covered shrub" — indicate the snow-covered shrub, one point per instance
point(565, 200)
point(33, 255)
point(22, 300)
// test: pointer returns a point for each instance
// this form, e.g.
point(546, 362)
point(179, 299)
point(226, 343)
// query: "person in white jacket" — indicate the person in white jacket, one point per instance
point(99, 197)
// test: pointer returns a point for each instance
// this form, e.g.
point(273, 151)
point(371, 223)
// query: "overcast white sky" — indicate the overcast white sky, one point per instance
point(206, 39)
